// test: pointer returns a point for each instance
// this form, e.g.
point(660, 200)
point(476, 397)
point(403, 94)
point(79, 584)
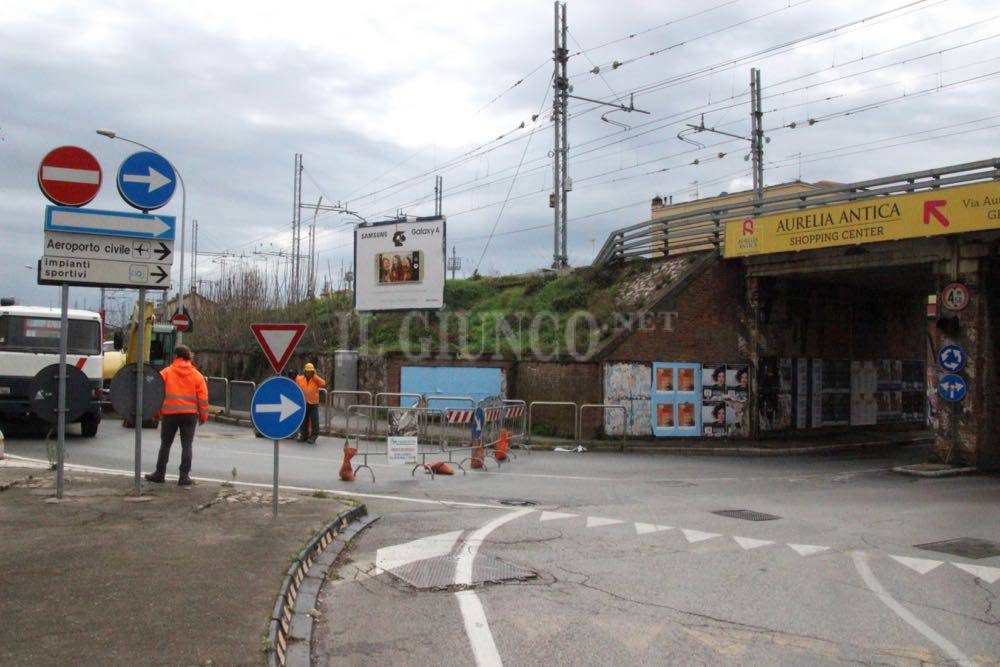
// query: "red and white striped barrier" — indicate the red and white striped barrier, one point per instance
point(515, 411)
point(459, 416)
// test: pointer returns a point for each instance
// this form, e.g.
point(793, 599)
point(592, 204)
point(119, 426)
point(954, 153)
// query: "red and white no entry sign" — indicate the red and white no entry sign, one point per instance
point(69, 176)
point(181, 321)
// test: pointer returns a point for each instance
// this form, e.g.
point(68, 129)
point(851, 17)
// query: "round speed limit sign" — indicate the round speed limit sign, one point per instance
point(955, 296)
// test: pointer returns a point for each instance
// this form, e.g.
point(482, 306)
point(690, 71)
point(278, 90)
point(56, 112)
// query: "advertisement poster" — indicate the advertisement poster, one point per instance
point(713, 382)
point(725, 394)
point(400, 265)
point(676, 399)
point(713, 419)
point(628, 384)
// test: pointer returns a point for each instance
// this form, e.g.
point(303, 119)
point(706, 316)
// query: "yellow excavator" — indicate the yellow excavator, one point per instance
point(159, 341)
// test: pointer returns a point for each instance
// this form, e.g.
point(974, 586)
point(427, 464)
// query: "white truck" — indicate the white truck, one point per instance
point(29, 341)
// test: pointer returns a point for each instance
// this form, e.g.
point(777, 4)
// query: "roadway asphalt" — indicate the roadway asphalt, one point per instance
point(633, 566)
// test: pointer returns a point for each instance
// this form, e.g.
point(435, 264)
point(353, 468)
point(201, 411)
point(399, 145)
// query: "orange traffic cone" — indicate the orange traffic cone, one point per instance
point(346, 471)
point(478, 455)
point(500, 452)
point(441, 468)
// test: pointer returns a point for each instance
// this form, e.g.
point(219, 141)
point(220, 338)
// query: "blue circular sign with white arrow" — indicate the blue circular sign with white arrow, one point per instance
point(146, 180)
point(952, 387)
point(278, 408)
point(478, 421)
point(952, 358)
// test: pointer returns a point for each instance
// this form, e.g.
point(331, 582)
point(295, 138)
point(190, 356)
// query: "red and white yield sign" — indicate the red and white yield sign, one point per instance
point(69, 176)
point(278, 341)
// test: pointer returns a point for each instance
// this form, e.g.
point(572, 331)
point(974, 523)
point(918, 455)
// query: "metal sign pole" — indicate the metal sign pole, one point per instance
point(140, 367)
point(274, 484)
point(61, 409)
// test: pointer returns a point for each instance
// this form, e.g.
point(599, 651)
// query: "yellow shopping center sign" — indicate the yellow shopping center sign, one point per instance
point(967, 208)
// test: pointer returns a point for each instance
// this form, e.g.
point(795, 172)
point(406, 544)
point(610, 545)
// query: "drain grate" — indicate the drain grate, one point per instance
point(966, 547)
point(439, 573)
point(747, 515)
point(517, 502)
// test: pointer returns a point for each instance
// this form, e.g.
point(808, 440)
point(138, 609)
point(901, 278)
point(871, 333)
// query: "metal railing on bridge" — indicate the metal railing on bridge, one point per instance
point(704, 228)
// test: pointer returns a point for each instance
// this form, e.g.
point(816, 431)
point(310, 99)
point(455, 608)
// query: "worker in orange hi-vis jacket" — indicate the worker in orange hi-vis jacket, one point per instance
point(185, 405)
point(310, 383)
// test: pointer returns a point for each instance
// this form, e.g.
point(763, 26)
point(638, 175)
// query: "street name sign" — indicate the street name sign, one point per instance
point(146, 180)
point(278, 408)
point(69, 176)
point(109, 223)
point(278, 341)
point(952, 358)
point(964, 208)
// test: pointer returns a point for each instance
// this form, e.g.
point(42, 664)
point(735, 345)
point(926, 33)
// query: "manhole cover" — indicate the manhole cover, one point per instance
point(966, 547)
point(747, 515)
point(439, 572)
point(517, 502)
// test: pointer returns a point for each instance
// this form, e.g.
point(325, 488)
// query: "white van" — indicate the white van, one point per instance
point(29, 341)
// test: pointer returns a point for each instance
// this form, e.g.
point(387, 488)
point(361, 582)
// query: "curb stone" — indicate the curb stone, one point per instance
point(921, 470)
point(290, 629)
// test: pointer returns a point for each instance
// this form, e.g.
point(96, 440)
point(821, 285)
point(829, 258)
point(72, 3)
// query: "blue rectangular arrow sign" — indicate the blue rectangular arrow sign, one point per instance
point(109, 223)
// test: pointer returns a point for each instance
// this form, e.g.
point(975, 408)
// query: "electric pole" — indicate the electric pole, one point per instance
point(560, 89)
point(296, 228)
point(311, 272)
point(438, 195)
point(757, 135)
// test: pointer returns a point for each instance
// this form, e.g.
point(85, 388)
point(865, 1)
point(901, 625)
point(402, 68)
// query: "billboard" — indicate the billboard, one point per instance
point(966, 208)
point(399, 265)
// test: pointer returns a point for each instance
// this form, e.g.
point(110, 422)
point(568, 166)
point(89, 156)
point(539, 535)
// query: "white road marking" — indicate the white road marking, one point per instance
point(987, 574)
point(748, 543)
point(952, 651)
point(921, 565)
point(553, 516)
point(595, 521)
point(808, 549)
point(697, 535)
point(389, 558)
point(477, 628)
point(646, 528)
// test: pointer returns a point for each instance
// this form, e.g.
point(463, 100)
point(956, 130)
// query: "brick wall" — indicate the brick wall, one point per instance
point(706, 325)
point(552, 381)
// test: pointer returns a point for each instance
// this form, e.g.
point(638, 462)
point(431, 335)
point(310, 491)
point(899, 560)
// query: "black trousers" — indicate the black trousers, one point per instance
point(169, 425)
point(310, 425)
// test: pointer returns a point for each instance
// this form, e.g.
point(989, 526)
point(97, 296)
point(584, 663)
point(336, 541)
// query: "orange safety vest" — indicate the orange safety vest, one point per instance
point(186, 392)
point(310, 388)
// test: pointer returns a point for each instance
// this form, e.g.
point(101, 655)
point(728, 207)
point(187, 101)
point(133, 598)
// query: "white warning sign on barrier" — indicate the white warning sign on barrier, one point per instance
point(402, 450)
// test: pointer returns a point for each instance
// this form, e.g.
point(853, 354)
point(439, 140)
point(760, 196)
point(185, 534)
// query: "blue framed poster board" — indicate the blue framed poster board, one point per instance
point(676, 399)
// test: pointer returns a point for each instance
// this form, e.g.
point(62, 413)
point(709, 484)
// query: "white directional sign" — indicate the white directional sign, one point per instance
point(107, 273)
point(94, 246)
point(109, 223)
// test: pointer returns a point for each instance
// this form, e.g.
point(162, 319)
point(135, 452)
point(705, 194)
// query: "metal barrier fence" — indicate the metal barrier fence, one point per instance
point(399, 396)
point(463, 399)
point(218, 393)
point(576, 414)
point(340, 394)
point(241, 396)
point(416, 420)
point(604, 407)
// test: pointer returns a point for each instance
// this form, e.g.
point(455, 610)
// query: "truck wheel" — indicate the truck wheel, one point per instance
point(88, 426)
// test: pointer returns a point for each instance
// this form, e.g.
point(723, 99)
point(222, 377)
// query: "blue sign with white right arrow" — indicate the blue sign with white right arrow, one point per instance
point(952, 387)
point(146, 180)
point(952, 358)
point(278, 408)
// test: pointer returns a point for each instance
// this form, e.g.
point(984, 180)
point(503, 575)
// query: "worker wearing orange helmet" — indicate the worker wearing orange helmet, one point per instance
point(310, 383)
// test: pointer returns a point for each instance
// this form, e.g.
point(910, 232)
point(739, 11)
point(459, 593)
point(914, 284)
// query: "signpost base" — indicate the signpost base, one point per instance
point(274, 484)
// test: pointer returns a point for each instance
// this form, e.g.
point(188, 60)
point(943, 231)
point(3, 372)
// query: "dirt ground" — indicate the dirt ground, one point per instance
point(189, 577)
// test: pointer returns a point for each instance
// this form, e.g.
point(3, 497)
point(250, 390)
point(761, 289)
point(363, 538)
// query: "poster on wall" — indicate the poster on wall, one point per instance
point(628, 384)
point(725, 393)
point(713, 382)
point(676, 399)
point(400, 265)
point(713, 419)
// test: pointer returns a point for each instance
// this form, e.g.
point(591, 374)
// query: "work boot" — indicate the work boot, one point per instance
point(154, 477)
point(185, 481)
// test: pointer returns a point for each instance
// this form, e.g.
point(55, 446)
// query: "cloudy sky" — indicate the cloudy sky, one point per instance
point(381, 96)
